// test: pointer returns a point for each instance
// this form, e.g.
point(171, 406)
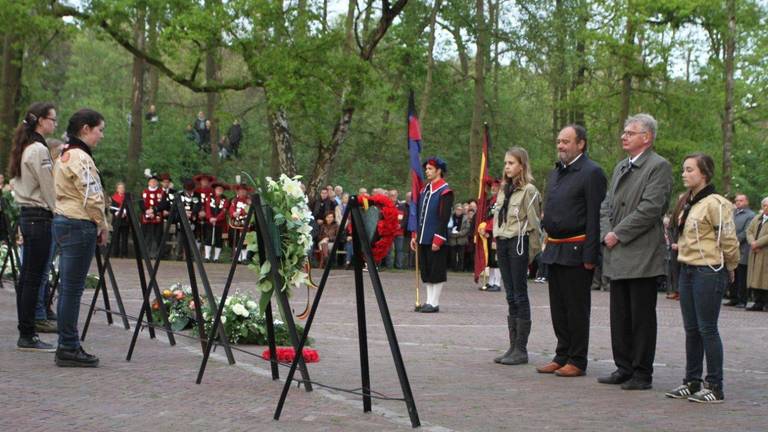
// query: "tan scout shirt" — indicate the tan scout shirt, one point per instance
point(79, 194)
point(699, 245)
point(35, 186)
point(523, 212)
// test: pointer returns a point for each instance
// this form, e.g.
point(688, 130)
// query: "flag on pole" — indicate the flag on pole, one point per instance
point(481, 245)
point(414, 152)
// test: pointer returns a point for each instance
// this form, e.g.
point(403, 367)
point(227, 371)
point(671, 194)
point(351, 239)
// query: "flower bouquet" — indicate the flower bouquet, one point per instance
point(244, 323)
point(180, 305)
point(290, 214)
point(287, 354)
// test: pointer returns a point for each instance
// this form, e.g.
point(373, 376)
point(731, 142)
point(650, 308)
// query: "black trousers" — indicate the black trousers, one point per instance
point(633, 326)
point(213, 235)
point(742, 294)
point(120, 239)
point(457, 258)
point(433, 265)
point(35, 225)
point(570, 302)
point(153, 234)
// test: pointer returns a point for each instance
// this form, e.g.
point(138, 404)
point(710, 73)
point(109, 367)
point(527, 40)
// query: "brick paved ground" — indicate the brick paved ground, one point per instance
point(448, 358)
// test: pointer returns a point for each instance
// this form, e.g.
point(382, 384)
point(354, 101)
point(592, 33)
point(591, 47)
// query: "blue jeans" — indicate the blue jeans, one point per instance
point(76, 240)
point(401, 252)
point(701, 292)
point(514, 273)
point(41, 310)
point(35, 225)
point(348, 248)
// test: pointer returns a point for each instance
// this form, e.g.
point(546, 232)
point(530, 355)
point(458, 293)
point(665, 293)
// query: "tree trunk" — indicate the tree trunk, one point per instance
point(211, 100)
point(557, 72)
point(577, 112)
point(494, 105)
point(154, 76)
point(430, 63)
point(478, 107)
point(13, 57)
point(349, 24)
point(212, 68)
point(283, 141)
point(626, 80)
point(137, 102)
point(730, 51)
point(326, 154)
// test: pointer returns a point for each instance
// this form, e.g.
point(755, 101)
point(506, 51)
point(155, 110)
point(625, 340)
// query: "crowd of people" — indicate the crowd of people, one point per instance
point(707, 247)
point(617, 225)
point(199, 132)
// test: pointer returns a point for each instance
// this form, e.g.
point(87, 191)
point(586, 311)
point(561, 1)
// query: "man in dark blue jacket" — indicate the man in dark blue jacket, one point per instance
point(575, 189)
point(434, 209)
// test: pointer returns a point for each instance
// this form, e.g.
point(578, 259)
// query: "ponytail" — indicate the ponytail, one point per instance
point(22, 136)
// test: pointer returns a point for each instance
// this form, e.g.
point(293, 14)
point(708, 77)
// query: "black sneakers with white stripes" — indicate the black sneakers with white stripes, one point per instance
point(710, 394)
point(684, 391)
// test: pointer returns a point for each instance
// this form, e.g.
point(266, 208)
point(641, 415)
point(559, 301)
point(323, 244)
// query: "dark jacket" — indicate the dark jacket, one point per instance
point(322, 207)
point(572, 208)
point(742, 218)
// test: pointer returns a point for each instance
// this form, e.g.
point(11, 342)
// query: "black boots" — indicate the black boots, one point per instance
point(519, 330)
point(520, 353)
point(75, 358)
point(512, 335)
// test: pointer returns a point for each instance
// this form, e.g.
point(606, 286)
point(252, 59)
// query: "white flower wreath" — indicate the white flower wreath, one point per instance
point(293, 219)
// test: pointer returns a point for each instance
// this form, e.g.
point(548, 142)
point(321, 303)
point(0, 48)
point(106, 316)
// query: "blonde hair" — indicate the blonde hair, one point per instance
point(526, 175)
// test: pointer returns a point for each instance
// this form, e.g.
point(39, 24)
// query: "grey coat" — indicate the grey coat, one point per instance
point(742, 218)
point(633, 209)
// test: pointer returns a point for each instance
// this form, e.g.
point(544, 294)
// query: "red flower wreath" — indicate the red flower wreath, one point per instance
point(286, 355)
point(387, 226)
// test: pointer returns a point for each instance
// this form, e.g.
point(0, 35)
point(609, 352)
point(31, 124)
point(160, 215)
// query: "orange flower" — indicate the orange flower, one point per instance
point(155, 305)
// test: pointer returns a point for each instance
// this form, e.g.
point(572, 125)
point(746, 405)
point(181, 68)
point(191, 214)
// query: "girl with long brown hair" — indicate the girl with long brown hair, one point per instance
point(31, 169)
point(515, 228)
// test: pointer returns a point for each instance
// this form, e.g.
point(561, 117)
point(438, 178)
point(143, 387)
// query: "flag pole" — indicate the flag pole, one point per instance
point(417, 307)
point(413, 137)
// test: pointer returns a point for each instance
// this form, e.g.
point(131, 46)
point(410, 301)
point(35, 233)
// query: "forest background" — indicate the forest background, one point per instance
point(321, 87)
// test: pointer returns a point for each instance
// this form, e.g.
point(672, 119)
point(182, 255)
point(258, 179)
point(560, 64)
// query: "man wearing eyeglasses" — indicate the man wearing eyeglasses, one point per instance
point(632, 233)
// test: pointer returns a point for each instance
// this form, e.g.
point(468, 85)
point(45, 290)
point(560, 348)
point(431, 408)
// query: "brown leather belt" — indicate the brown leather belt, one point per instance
point(575, 239)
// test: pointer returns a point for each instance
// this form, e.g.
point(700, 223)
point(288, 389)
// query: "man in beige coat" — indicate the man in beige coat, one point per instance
point(757, 266)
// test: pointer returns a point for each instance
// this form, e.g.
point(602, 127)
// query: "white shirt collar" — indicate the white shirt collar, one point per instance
point(575, 159)
point(632, 160)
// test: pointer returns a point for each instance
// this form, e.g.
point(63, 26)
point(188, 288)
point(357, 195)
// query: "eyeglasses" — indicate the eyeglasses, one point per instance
point(53, 119)
point(632, 133)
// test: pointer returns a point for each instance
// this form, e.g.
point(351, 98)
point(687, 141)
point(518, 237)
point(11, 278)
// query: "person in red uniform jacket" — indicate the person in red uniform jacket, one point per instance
point(238, 211)
point(119, 222)
point(152, 216)
point(485, 228)
point(204, 191)
point(216, 221)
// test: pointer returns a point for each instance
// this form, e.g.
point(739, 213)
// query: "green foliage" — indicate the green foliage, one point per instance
point(296, 60)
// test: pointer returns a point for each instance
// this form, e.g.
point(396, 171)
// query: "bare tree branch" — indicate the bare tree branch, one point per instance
point(188, 82)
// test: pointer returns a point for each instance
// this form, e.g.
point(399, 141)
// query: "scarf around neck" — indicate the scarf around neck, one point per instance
point(692, 200)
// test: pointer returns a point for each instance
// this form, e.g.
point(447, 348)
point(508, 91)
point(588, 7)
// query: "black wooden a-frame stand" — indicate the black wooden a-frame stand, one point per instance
point(362, 251)
point(10, 240)
point(104, 266)
point(193, 259)
point(267, 252)
point(105, 269)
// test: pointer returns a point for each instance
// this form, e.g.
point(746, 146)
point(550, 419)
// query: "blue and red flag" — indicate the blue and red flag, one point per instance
point(414, 152)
